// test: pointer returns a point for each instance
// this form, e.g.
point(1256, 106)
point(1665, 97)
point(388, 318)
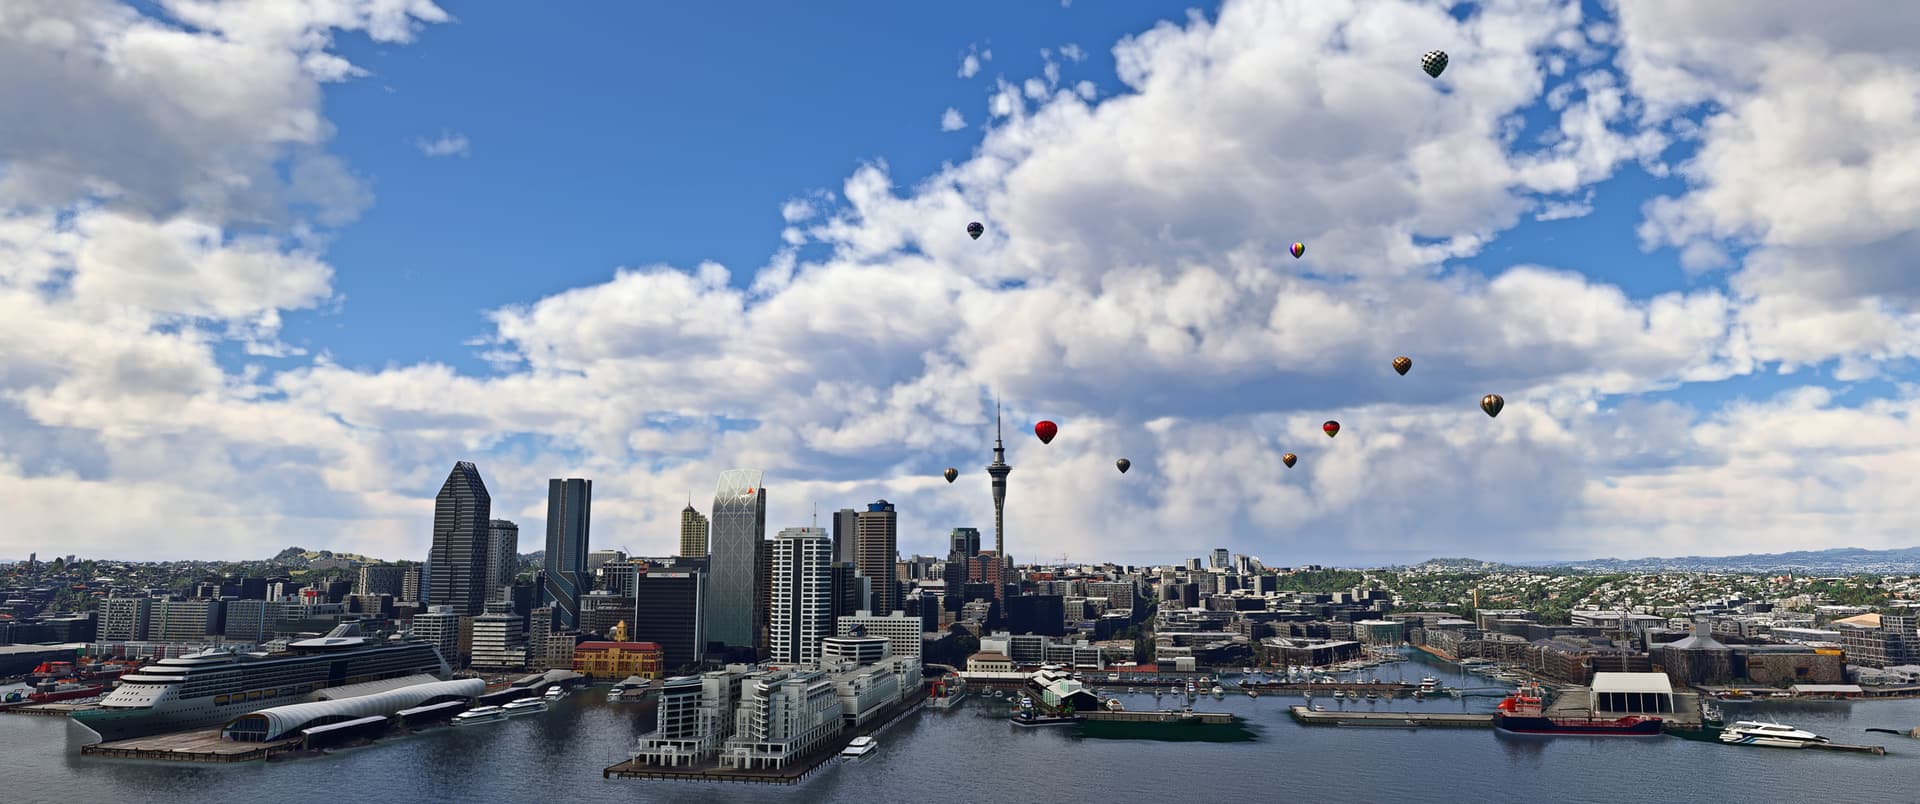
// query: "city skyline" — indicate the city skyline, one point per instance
point(1670, 241)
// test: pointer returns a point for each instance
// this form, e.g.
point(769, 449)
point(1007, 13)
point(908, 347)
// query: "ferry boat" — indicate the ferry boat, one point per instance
point(484, 714)
point(555, 693)
point(525, 706)
point(1522, 713)
point(209, 688)
point(1750, 732)
point(860, 747)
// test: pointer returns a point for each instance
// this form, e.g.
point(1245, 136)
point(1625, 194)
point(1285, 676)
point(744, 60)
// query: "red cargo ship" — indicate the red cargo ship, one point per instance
point(66, 690)
point(1522, 713)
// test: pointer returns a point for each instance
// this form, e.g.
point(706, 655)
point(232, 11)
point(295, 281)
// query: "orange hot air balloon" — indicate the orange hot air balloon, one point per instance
point(1403, 364)
point(1288, 459)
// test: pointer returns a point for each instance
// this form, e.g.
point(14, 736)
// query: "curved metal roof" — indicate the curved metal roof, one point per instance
point(284, 720)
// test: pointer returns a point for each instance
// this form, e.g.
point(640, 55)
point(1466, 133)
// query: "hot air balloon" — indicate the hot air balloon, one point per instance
point(1046, 430)
point(1332, 428)
point(975, 230)
point(1124, 465)
point(1298, 249)
point(1492, 403)
point(1403, 364)
point(1435, 62)
point(1288, 459)
point(951, 474)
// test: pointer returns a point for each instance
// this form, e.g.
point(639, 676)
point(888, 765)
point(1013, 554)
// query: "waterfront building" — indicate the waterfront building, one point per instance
point(457, 564)
point(782, 716)
point(1879, 640)
point(503, 557)
point(800, 612)
point(499, 641)
point(876, 549)
point(694, 718)
point(569, 518)
point(617, 658)
point(989, 662)
point(125, 619)
point(281, 722)
point(439, 626)
point(854, 649)
point(732, 604)
point(901, 631)
point(865, 691)
point(1618, 694)
point(173, 620)
point(693, 533)
point(669, 611)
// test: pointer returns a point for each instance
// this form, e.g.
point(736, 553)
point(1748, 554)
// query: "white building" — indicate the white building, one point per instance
point(440, 626)
point(854, 650)
point(499, 642)
point(782, 715)
point(865, 691)
point(902, 632)
point(801, 608)
point(124, 619)
point(696, 714)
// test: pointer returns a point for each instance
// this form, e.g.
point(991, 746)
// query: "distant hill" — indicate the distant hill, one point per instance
point(1841, 560)
point(302, 557)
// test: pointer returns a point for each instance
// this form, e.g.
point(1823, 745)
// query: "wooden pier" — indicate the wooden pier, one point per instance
point(191, 746)
point(1461, 720)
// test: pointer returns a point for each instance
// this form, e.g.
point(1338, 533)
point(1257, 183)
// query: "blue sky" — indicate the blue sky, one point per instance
point(1133, 286)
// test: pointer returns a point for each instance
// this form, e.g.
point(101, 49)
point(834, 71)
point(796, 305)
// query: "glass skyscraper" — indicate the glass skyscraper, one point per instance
point(457, 563)
point(737, 527)
point(569, 513)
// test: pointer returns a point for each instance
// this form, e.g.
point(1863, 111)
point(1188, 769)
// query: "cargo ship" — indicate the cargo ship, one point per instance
point(1522, 713)
point(66, 690)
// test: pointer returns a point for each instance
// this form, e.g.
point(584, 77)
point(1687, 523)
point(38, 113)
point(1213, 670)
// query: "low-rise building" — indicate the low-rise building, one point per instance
point(605, 660)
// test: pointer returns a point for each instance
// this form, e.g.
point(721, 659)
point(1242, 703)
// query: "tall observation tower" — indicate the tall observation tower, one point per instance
point(999, 469)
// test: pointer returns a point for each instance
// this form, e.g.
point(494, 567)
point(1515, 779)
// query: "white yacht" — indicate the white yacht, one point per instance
point(525, 706)
point(1750, 732)
point(555, 693)
point(483, 714)
point(1429, 684)
point(861, 746)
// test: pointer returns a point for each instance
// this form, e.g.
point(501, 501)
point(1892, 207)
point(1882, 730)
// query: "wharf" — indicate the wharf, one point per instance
point(190, 746)
point(44, 710)
point(1390, 687)
point(1438, 719)
point(1876, 750)
point(1164, 716)
point(795, 772)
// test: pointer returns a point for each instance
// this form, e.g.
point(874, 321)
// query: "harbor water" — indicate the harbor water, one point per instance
point(971, 754)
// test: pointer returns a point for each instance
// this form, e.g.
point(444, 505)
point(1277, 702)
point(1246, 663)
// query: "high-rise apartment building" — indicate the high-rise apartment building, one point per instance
point(734, 577)
point(845, 526)
point(693, 533)
point(1220, 558)
point(876, 537)
point(800, 613)
point(457, 565)
point(503, 557)
point(124, 619)
point(569, 514)
point(379, 580)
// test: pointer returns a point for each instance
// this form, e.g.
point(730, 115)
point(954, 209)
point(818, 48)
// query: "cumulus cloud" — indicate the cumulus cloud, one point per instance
point(447, 144)
point(950, 120)
point(972, 60)
point(1133, 285)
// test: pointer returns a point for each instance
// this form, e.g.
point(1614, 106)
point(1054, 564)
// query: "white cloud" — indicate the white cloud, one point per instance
point(447, 144)
point(950, 120)
point(972, 60)
point(1133, 286)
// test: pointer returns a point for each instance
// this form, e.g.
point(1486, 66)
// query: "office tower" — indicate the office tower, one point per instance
point(963, 542)
point(503, 557)
point(763, 586)
point(413, 584)
point(999, 470)
point(457, 565)
point(693, 533)
point(440, 626)
point(845, 525)
point(569, 512)
point(739, 526)
point(801, 611)
point(1220, 558)
point(389, 580)
point(253, 621)
point(849, 591)
point(124, 619)
point(616, 577)
point(875, 538)
point(668, 610)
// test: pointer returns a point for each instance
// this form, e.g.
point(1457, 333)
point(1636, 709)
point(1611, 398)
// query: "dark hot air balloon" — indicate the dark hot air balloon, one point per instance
point(1288, 459)
point(1402, 364)
point(975, 230)
point(1046, 430)
point(1298, 249)
point(1435, 62)
point(1492, 403)
point(951, 474)
point(1124, 465)
point(1332, 428)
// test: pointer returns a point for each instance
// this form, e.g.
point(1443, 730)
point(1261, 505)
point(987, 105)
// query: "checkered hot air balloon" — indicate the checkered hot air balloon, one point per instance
point(1435, 62)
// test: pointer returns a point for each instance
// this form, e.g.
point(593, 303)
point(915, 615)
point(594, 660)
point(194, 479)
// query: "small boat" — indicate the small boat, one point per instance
point(1246, 671)
point(861, 746)
point(484, 714)
point(1373, 696)
point(1252, 693)
point(1710, 713)
point(1114, 705)
point(1429, 684)
point(1777, 735)
point(1339, 693)
point(555, 693)
point(1217, 690)
point(1319, 708)
point(525, 706)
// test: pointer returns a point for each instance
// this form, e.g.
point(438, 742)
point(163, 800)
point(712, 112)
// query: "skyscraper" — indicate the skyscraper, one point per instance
point(457, 563)
point(965, 543)
point(999, 469)
point(503, 557)
point(801, 612)
point(693, 533)
point(1220, 558)
point(876, 537)
point(739, 525)
point(569, 513)
point(845, 522)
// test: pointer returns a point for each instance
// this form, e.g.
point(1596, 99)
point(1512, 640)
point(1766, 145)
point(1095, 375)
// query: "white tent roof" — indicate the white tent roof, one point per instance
point(1632, 682)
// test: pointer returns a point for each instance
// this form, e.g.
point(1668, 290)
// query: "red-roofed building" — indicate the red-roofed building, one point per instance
point(617, 660)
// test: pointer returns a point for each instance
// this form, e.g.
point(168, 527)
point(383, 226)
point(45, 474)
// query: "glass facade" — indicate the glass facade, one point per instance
point(457, 564)
point(569, 514)
point(738, 526)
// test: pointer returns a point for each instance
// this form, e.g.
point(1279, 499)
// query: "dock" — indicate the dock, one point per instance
point(1387, 687)
point(43, 710)
point(799, 770)
point(1876, 750)
point(1461, 720)
point(191, 746)
point(1164, 716)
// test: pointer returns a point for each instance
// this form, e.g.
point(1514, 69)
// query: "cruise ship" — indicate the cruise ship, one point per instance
point(209, 688)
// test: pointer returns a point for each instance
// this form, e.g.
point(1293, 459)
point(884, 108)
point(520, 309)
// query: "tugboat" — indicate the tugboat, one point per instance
point(1522, 713)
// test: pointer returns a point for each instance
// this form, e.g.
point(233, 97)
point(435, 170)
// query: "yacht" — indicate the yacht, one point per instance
point(1749, 732)
point(525, 706)
point(484, 714)
point(212, 687)
point(1429, 684)
point(555, 693)
point(861, 746)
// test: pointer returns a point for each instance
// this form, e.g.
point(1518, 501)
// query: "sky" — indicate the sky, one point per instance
point(268, 268)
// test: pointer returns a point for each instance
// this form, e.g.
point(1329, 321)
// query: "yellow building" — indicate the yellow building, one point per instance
point(617, 658)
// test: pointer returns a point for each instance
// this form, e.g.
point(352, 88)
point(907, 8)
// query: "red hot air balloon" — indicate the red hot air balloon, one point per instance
point(1046, 430)
point(1332, 428)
